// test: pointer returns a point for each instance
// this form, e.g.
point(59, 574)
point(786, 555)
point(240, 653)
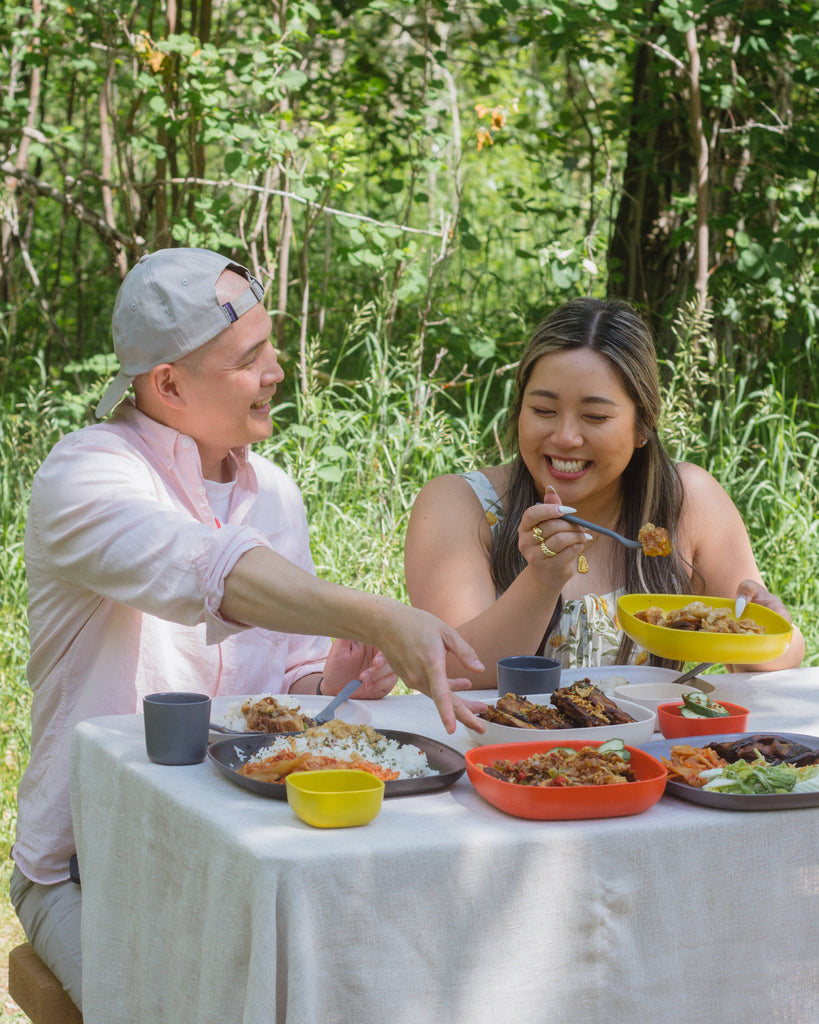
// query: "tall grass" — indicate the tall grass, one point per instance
point(361, 449)
point(26, 433)
point(763, 447)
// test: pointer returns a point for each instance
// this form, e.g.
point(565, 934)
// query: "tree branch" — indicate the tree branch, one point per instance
point(113, 239)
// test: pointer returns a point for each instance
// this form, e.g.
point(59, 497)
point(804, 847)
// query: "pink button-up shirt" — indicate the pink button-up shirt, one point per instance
point(126, 566)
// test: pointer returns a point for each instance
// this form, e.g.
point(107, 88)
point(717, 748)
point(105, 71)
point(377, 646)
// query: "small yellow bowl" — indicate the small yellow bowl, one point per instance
point(335, 797)
point(685, 645)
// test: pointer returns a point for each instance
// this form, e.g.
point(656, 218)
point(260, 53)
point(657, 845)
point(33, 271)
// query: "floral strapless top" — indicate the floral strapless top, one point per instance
point(587, 634)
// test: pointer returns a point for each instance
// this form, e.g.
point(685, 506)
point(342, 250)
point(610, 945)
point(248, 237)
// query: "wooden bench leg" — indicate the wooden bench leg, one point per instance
point(37, 992)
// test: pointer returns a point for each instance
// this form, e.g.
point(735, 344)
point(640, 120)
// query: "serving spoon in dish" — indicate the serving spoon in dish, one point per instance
point(692, 672)
point(326, 714)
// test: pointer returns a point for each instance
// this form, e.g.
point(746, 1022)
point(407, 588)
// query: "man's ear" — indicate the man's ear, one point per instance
point(164, 384)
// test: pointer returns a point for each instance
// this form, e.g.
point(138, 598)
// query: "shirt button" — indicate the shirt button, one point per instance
point(186, 442)
point(200, 490)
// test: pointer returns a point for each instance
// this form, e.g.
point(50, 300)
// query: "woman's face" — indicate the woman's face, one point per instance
point(577, 429)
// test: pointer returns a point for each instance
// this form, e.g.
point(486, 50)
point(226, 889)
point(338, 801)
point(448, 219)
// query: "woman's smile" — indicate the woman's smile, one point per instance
point(566, 468)
point(577, 426)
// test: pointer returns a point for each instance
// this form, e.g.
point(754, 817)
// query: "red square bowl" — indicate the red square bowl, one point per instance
point(569, 802)
point(673, 726)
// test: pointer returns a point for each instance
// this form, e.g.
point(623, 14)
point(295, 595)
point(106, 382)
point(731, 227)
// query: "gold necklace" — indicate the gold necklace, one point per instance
point(582, 561)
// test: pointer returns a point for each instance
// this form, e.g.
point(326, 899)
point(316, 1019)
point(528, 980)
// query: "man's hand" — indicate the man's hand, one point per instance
point(416, 644)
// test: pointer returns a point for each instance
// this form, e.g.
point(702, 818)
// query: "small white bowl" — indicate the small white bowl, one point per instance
point(651, 695)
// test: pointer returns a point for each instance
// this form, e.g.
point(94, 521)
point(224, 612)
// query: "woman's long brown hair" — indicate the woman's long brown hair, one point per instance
point(651, 488)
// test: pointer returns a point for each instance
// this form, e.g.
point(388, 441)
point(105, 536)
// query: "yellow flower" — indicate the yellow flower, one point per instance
point(491, 518)
point(641, 658)
point(484, 138)
point(557, 640)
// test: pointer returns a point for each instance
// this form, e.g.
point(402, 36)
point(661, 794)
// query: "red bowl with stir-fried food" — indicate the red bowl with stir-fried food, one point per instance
point(529, 780)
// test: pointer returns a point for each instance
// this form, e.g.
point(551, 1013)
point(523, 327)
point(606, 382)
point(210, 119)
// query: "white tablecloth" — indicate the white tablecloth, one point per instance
point(203, 902)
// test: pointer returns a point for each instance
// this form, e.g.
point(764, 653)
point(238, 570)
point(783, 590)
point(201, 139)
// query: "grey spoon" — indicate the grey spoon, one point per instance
point(603, 529)
point(326, 714)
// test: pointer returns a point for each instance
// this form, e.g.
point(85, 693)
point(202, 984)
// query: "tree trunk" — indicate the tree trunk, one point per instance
point(647, 265)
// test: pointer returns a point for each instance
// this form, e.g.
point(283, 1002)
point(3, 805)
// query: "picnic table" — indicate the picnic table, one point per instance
point(203, 902)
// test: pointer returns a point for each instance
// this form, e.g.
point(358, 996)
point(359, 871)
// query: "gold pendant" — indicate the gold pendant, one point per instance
point(582, 564)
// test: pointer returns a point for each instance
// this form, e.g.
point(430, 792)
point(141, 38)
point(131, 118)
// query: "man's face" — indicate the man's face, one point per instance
point(227, 389)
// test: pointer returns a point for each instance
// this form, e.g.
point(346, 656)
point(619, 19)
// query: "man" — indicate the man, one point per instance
point(162, 554)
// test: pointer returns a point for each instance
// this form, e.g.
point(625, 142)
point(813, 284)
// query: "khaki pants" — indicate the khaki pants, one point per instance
point(50, 916)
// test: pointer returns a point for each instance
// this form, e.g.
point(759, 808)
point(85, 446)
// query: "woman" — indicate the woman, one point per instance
point(489, 551)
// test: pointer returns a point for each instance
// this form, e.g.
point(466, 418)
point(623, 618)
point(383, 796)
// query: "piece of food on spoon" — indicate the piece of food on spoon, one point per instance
point(655, 540)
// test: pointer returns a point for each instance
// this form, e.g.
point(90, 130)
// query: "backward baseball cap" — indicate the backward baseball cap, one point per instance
point(167, 307)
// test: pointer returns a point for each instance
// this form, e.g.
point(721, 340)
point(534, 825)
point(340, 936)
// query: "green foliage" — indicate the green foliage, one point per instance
point(462, 161)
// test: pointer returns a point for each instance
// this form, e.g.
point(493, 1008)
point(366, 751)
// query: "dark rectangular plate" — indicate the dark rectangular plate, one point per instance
point(229, 754)
point(734, 801)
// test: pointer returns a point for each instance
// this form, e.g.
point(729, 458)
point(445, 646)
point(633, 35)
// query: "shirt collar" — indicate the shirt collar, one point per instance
point(159, 437)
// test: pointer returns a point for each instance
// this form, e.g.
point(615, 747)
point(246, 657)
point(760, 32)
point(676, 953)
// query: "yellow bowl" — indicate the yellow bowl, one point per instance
point(684, 645)
point(335, 797)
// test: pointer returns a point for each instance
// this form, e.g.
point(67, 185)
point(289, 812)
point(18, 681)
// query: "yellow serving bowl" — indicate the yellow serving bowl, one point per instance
point(335, 797)
point(685, 645)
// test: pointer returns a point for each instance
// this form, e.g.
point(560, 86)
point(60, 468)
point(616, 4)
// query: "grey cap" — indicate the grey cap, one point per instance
point(166, 308)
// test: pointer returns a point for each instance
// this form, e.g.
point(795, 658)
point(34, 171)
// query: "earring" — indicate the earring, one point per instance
point(643, 442)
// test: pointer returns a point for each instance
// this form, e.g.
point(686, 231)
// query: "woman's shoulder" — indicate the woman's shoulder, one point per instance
point(488, 480)
point(462, 498)
point(698, 483)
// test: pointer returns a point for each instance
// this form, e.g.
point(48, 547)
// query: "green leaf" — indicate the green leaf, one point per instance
point(334, 452)
point(233, 160)
point(482, 347)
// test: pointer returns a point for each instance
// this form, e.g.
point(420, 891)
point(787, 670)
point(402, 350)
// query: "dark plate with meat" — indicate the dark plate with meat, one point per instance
point(776, 747)
point(228, 755)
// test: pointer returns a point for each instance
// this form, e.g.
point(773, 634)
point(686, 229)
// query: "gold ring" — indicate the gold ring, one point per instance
point(537, 534)
point(547, 551)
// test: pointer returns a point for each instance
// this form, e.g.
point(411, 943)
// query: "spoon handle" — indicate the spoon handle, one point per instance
point(602, 529)
point(327, 713)
point(691, 673)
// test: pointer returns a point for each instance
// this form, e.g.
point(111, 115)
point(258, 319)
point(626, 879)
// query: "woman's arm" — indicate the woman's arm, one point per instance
point(713, 537)
point(446, 561)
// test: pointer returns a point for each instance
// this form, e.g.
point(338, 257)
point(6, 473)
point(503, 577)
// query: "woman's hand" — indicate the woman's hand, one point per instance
point(750, 591)
point(547, 542)
point(352, 659)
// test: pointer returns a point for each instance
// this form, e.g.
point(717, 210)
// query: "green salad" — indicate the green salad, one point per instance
point(758, 777)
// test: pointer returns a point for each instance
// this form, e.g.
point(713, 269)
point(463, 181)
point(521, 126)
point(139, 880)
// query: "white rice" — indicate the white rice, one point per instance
point(232, 717)
point(332, 741)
